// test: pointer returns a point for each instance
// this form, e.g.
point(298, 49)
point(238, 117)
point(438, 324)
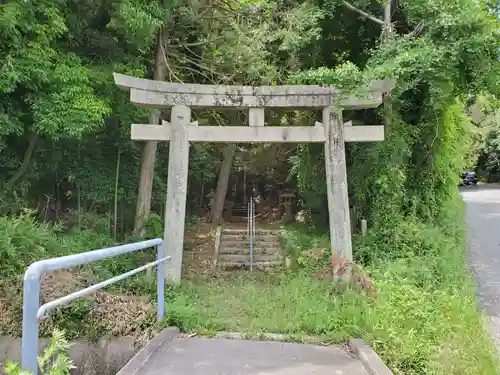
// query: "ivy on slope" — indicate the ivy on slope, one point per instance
point(415, 170)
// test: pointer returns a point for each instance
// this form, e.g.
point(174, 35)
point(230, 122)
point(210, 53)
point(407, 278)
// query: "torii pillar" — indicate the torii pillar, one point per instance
point(175, 208)
point(336, 182)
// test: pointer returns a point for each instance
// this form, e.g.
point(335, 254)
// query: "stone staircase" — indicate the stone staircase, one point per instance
point(234, 249)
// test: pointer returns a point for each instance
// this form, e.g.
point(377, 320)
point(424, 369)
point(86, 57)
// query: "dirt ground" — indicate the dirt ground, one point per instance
point(199, 251)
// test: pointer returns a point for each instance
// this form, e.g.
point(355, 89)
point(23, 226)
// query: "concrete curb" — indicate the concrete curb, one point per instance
point(372, 362)
point(280, 337)
point(140, 359)
point(360, 349)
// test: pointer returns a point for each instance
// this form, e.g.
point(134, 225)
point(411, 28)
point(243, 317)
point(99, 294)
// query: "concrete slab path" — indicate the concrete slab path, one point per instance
point(225, 356)
point(172, 353)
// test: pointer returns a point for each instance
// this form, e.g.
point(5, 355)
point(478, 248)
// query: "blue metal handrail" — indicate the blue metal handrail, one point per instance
point(31, 299)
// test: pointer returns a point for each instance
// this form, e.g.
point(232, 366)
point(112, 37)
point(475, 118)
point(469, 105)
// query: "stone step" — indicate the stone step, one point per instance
point(257, 258)
point(245, 237)
point(257, 230)
point(260, 265)
point(233, 243)
point(245, 249)
point(256, 250)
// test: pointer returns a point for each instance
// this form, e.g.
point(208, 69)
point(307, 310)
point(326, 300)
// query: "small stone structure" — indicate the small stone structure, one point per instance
point(332, 132)
point(287, 199)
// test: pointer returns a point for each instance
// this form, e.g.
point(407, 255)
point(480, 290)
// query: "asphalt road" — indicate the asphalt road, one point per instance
point(483, 222)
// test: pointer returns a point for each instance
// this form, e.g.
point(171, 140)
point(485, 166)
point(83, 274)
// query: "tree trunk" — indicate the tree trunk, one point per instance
point(387, 35)
point(220, 193)
point(200, 203)
point(143, 207)
point(28, 154)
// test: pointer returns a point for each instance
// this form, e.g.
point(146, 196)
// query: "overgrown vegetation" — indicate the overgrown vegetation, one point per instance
point(66, 156)
point(24, 241)
point(486, 143)
point(422, 318)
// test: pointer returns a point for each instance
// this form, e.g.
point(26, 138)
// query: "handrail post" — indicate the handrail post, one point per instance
point(31, 304)
point(251, 232)
point(254, 220)
point(160, 282)
point(248, 222)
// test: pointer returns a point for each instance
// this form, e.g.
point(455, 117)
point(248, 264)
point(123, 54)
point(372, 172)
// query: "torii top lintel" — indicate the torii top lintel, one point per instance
point(158, 94)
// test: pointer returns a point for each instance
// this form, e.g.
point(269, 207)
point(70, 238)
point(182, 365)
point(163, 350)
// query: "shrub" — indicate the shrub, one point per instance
point(23, 241)
point(53, 361)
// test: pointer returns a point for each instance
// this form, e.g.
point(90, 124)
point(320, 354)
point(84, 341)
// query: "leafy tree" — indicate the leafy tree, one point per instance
point(45, 91)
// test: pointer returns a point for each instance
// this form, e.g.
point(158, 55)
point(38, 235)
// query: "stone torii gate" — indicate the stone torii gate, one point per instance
point(181, 130)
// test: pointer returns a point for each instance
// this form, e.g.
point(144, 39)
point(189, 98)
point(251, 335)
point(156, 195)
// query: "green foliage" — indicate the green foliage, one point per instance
point(487, 140)
point(449, 149)
point(305, 167)
point(414, 172)
point(297, 239)
point(299, 27)
point(138, 21)
point(154, 226)
point(22, 242)
point(378, 177)
point(53, 361)
point(263, 42)
point(51, 86)
point(345, 76)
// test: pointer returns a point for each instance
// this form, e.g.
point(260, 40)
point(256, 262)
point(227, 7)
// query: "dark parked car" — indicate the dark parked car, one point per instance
point(468, 179)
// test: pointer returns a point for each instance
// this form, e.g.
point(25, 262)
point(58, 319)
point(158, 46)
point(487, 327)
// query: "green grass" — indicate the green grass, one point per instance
point(423, 319)
point(416, 331)
point(258, 302)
